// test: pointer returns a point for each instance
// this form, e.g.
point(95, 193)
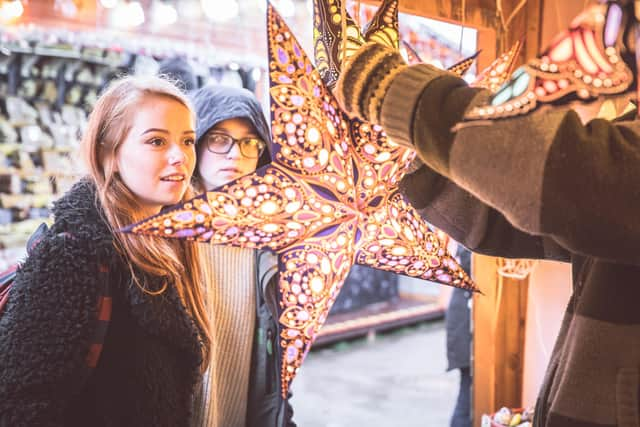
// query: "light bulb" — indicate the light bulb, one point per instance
point(11, 10)
point(164, 14)
point(220, 10)
point(109, 4)
point(286, 8)
point(127, 15)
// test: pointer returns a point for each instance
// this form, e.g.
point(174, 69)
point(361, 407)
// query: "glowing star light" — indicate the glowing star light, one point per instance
point(582, 63)
point(327, 201)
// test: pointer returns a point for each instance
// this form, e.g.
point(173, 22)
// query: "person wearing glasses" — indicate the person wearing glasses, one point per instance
point(242, 386)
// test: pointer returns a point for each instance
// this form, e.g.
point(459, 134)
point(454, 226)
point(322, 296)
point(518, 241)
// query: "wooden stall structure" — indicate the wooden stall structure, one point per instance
point(516, 321)
point(499, 316)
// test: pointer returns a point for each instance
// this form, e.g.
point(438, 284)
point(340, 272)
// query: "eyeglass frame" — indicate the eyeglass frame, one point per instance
point(234, 141)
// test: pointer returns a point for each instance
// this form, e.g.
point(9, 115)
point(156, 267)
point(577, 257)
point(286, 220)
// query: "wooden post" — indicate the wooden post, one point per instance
point(499, 335)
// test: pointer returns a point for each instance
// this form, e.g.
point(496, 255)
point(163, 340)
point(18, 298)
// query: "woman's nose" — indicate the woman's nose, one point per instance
point(234, 152)
point(177, 154)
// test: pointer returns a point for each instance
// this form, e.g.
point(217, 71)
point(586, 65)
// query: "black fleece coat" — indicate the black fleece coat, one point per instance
point(149, 366)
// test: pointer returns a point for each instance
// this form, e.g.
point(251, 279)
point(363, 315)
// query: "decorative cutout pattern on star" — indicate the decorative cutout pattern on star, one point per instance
point(498, 72)
point(328, 40)
point(582, 63)
point(322, 204)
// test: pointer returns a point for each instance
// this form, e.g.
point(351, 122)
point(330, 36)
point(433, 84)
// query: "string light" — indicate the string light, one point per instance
point(220, 10)
point(286, 8)
point(128, 15)
point(11, 10)
point(164, 14)
point(256, 74)
point(109, 4)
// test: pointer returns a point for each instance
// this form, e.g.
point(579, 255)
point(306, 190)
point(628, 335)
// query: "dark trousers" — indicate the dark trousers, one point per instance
point(462, 412)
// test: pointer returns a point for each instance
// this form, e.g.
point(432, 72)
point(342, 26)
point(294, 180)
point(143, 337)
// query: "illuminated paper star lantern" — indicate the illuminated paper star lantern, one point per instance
point(410, 54)
point(490, 78)
point(323, 204)
point(459, 68)
point(498, 72)
point(330, 46)
point(583, 63)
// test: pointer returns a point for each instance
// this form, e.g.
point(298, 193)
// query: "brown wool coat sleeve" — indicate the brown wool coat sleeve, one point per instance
point(471, 222)
point(546, 173)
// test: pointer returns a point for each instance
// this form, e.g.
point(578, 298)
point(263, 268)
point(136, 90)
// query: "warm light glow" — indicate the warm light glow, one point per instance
point(220, 10)
point(164, 14)
point(562, 51)
point(127, 15)
point(286, 8)
point(67, 7)
point(11, 10)
point(583, 56)
point(256, 74)
point(435, 62)
point(109, 4)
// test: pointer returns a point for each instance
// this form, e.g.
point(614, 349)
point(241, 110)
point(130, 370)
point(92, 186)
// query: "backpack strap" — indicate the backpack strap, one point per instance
point(8, 276)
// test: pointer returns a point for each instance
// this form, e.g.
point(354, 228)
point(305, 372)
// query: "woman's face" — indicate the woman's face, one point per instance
point(218, 169)
point(157, 157)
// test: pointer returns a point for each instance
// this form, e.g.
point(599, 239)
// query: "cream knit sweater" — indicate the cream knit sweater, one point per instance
point(229, 276)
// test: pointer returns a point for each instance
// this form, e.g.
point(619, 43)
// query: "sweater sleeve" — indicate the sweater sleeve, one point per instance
point(45, 332)
point(471, 222)
point(546, 173)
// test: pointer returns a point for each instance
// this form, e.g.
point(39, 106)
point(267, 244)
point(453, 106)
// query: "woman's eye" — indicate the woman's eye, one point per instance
point(156, 142)
point(189, 141)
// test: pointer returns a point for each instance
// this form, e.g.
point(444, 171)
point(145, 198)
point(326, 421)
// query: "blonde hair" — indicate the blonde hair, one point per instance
point(174, 260)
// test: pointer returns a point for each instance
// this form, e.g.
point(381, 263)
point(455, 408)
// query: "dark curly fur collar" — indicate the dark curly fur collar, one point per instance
point(163, 316)
point(78, 212)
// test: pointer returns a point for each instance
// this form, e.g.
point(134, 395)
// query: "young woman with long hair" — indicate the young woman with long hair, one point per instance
point(140, 151)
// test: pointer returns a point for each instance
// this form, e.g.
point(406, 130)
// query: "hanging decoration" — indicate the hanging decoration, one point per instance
point(498, 72)
point(583, 63)
point(329, 43)
point(330, 47)
point(410, 54)
point(518, 269)
point(327, 200)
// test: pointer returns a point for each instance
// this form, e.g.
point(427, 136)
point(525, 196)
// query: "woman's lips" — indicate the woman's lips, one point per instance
point(230, 170)
point(176, 177)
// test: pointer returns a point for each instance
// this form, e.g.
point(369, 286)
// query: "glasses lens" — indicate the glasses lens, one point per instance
point(219, 143)
point(252, 147)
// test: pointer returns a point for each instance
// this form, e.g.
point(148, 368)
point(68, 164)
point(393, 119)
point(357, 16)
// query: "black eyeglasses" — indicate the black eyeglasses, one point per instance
point(221, 143)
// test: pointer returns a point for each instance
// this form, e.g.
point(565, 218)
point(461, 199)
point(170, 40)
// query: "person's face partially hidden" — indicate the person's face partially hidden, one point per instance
point(218, 169)
point(157, 157)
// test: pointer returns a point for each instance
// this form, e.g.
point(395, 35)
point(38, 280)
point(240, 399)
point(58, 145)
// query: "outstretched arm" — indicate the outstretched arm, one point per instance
point(471, 222)
point(546, 173)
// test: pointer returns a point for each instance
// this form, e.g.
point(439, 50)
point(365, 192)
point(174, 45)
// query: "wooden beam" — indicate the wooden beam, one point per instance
point(499, 318)
point(483, 361)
